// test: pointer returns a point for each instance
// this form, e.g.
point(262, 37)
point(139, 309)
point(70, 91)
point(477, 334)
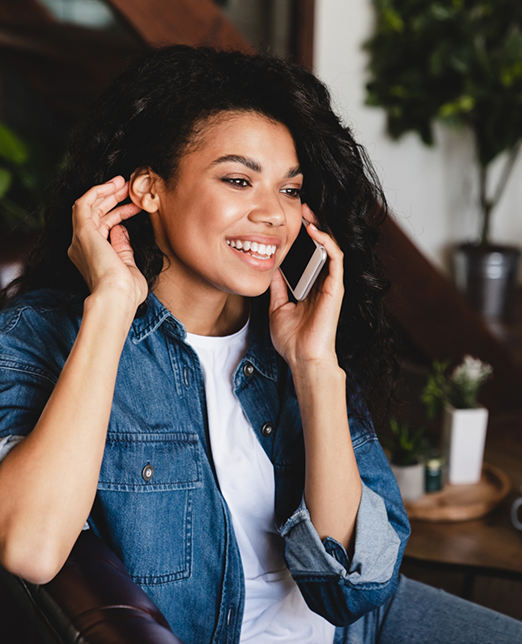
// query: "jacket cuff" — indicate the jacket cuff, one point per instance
point(376, 545)
point(7, 443)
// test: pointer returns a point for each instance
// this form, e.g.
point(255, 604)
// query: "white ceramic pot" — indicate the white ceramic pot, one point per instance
point(464, 436)
point(410, 479)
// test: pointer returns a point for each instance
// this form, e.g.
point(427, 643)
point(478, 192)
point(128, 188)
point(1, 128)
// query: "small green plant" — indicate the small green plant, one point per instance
point(459, 389)
point(436, 392)
point(25, 169)
point(404, 444)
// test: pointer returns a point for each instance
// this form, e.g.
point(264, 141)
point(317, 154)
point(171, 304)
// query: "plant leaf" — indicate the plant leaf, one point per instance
point(12, 148)
point(6, 177)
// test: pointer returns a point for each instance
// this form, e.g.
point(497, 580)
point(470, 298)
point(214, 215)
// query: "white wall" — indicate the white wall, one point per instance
point(432, 191)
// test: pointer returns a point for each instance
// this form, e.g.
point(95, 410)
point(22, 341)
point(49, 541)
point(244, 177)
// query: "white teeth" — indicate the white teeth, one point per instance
point(265, 250)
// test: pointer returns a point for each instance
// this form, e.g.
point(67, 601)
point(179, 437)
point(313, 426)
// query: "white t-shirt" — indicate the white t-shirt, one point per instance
point(275, 610)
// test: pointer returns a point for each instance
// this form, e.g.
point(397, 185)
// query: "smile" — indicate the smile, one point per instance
point(259, 251)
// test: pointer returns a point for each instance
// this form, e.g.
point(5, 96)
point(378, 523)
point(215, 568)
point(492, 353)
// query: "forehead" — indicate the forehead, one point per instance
point(242, 133)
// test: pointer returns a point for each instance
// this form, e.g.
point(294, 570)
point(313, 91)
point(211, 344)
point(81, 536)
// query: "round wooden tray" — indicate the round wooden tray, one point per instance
point(462, 502)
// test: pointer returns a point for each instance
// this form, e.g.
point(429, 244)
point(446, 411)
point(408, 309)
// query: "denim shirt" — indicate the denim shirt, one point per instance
point(158, 503)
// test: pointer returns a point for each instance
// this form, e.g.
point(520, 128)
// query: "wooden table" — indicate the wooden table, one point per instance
point(488, 546)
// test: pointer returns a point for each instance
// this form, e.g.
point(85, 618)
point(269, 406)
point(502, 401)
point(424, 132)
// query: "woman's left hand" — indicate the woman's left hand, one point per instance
point(304, 333)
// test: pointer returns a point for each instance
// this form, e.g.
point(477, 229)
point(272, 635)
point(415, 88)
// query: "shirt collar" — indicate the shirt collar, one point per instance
point(261, 352)
point(154, 316)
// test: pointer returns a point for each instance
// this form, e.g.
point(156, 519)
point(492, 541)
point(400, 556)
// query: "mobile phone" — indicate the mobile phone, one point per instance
point(303, 263)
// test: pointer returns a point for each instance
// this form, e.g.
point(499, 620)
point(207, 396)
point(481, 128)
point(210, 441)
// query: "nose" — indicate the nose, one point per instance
point(268, 209)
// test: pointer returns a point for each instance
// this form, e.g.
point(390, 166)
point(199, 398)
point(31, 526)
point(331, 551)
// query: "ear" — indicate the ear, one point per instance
point(143, 190)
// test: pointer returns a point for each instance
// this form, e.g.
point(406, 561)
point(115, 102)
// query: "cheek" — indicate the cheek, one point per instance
point(294, 226)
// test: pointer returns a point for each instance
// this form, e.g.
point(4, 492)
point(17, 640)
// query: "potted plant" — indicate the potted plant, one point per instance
point(465, 420)
point(404, 447)
point(458, 62)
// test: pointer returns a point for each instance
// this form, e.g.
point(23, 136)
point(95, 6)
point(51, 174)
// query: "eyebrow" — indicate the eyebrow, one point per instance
point(252, 164)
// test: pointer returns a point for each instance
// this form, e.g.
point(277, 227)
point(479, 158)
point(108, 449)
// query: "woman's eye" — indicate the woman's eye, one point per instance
point(237, 181)
point(295, 193)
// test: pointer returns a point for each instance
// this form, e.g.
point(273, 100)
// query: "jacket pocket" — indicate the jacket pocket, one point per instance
point(145, 492)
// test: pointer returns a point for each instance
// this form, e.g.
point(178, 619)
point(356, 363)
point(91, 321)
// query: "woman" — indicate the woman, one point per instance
point(157, 390)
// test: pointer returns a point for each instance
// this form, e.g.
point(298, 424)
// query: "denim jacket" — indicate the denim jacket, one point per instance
point(158, 503)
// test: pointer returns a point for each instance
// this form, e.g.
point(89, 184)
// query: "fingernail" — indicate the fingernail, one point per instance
point(313, 226)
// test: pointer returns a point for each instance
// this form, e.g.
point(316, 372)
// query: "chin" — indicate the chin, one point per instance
point(253, 290)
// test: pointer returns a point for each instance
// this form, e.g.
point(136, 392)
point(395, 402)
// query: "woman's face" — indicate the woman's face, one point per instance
point(234, 209)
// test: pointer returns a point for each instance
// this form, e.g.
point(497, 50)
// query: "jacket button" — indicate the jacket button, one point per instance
point(267, 429)
point(147, 472)
point(248, 369)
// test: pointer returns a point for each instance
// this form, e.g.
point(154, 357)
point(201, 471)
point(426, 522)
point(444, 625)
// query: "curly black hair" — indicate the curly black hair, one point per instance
point(152, 112)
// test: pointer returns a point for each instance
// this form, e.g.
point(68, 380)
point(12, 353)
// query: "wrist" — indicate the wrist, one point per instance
point(116, 308)
point(318, 373)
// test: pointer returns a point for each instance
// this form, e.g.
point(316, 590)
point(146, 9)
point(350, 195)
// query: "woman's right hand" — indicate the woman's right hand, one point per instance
point(39, 519)
point(106, 267)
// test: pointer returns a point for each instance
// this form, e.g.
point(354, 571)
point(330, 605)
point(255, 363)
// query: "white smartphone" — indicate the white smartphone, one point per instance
point(303, 263)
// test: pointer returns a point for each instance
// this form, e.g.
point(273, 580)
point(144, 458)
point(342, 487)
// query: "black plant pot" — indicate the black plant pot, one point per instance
point(487, 276)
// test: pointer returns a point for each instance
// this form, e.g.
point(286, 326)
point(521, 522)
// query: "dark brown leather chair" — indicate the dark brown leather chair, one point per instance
point(92, 600)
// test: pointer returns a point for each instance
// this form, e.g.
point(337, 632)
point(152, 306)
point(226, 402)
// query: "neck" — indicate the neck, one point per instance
point(203, 311)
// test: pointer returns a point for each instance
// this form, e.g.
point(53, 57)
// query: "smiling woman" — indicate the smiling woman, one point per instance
point(235, 195)
point(156, 381)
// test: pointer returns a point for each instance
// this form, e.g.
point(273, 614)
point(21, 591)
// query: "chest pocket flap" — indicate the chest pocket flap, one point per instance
point(151, 462)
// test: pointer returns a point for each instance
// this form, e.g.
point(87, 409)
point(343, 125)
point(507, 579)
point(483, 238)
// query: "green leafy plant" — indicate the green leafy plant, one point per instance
point(24, 172)
point(455, 61)
point(459, 389)
point(404, 444)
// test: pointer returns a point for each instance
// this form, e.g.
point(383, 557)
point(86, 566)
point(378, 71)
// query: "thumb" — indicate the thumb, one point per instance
point(278, 292)
point(121, 243)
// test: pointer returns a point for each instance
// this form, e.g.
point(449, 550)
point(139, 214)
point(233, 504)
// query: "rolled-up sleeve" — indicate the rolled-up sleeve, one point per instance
point(7, 443)
point(343, 588)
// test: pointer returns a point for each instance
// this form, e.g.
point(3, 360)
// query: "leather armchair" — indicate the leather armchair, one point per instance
point(92, 600)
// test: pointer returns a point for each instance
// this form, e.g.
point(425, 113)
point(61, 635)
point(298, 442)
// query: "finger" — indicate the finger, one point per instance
point(329, 243)
point(121, 244)
point(106, 203)
point(308, 214)
point(325, 239)
point(335, 254)
point(102, 190)
point(106, 195)
point(105, 212)
point(278, 292)
point(119, 214)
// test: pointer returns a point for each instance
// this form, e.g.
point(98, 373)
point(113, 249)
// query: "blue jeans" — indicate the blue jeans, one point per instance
point(420, 614)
